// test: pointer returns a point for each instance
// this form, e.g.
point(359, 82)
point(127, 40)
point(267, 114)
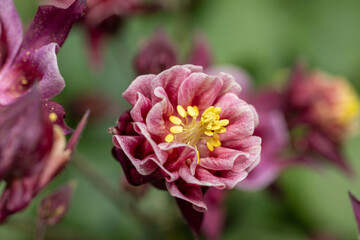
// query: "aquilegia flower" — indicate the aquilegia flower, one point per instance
point(34, 150)
point(187, 131)
point(322, 111)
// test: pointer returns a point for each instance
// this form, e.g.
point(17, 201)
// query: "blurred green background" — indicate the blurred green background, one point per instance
point(262, 36)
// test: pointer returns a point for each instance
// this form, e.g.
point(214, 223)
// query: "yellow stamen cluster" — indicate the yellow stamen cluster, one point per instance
point(191, 131)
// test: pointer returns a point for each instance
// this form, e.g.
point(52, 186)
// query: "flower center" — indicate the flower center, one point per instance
point(190, 130)
point(348, 105)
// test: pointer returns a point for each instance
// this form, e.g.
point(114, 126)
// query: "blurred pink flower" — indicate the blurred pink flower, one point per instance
point(323, 111)
point(187, 131)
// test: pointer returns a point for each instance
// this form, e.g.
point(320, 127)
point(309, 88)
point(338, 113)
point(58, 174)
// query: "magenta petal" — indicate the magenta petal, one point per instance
point(241, 116)
point(193, 218)
point(28, 135)
point(10, 32)
point(356, 208)
point(163, 109)
point(141, 84)
point(199, 89)
point(33, 65)
point(224, 159)
point(240, 76)
point(140, 109)
point(170, 80)
point(129, 144)
point(192, 194)
point(52, 25)
point(202, 178)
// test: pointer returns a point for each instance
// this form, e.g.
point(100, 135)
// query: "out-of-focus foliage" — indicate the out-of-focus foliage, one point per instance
point(264, 37)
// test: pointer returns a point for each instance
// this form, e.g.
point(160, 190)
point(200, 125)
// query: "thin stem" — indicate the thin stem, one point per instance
point(40, 230)
point(111, 193)
point(97, 180)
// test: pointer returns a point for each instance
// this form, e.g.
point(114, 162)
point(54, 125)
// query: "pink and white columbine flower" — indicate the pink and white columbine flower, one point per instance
point(187, 131)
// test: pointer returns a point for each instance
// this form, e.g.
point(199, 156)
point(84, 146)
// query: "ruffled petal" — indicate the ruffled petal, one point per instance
point(188, 193)
point(199, 89)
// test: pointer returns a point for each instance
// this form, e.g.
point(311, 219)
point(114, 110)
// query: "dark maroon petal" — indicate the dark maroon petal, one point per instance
point(10, 32)
point(57, 115)
point(28, 134)
point(356, 208)
point(329, 149)
point(201, 54)
point(192, 217)
point(54, 206)
point(52, 25)
point(131, 174)
point(16, 196)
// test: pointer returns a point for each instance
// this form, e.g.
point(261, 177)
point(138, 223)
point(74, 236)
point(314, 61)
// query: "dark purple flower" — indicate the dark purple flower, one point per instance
point(156, 55)
point(159, 53)
point(34, 150)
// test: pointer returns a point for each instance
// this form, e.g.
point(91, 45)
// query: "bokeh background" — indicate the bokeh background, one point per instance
point(263, 37)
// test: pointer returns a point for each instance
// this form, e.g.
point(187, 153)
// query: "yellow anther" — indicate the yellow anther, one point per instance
point(181, 111)
point(53, 117)
point(214, 142)
point(224, 122)
point(175, 120)
point(221, 130)
point(210, 146)
point(169, 138)
point(192, 132)
point(217, 110)
point(209, 133)
point(198, 155)
point(176, 129)
point(192, 112)
point(216, 127)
